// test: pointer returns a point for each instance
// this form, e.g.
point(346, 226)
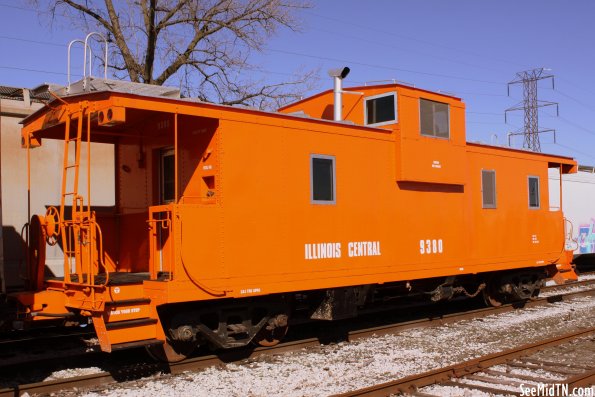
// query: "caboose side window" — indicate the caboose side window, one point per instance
point(534, 192)
point(322, 179)
point(433, 118)
point(381, 109)
point(488, 188)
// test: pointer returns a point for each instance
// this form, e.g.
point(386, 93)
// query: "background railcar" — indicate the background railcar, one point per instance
point(578, 210)
point(228, 222)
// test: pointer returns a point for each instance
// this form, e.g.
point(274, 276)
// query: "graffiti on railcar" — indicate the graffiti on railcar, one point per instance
point(586, 238)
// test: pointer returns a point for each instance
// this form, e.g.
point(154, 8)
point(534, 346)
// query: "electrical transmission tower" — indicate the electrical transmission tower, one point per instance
point(531, 105)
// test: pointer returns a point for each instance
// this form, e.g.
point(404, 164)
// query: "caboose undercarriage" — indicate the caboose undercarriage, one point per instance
point(174, 331)
point(173, 265)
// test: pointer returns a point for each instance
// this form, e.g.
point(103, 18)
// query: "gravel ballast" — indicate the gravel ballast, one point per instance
point(343, 367)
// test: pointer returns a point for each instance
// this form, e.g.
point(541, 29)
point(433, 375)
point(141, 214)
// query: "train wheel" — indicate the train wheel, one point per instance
point(170, 351)
point(273, 332)
point(526, 286)
point(269, 338)
point(491, 294)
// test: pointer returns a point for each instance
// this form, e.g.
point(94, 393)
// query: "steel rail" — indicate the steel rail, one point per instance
point(580, 283)
point(202, 362)
point(582, 380)
point(411, 383)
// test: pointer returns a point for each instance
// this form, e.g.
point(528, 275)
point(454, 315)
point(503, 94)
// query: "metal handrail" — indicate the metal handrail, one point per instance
point(163, 224)
point(85, 57)
point(68, 67)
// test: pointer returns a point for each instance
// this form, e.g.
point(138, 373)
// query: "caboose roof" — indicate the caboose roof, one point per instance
point(44, 123)
point(568, 164)
point(364, 88)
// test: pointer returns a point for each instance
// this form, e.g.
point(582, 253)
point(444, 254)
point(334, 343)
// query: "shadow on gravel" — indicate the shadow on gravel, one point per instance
point(585, 263)
point(123, 366)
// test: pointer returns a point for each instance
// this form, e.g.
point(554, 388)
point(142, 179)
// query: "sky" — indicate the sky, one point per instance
point(470, 48)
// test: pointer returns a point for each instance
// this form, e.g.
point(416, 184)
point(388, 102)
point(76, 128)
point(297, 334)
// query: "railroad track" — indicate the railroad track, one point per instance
point(144, 369)
point(574, 284)
point(479, 374)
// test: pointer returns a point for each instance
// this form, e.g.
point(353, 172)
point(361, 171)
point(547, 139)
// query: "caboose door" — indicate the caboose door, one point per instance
point(160, 216)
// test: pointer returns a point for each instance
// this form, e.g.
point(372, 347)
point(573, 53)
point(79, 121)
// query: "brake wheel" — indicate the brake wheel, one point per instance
point(52, 225)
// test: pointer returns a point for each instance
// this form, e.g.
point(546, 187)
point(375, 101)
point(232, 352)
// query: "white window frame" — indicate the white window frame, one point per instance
point(334, 181)
point(384, 94)
point(434, 136)
point(483, 204)
point(538, 192)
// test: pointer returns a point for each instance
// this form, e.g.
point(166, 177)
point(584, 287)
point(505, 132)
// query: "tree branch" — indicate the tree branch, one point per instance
point(133, 66)
point(149, 17)
point(170, 14)
point(205, 44)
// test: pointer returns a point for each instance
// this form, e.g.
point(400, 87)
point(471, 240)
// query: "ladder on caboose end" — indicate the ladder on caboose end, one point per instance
point(71, 166)
point(81, 235)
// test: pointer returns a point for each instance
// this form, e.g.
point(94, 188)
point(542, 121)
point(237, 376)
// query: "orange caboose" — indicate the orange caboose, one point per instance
point(229, 222)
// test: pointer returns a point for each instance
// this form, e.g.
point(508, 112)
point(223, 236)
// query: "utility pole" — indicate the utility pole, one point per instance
point(530, 105)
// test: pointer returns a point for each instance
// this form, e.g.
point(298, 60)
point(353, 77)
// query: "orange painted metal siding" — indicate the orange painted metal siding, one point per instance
point(245, 225)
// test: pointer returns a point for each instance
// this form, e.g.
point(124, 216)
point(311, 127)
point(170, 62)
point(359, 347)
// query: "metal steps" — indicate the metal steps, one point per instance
point(128, 323)
point(138, 322)
point(138, 343)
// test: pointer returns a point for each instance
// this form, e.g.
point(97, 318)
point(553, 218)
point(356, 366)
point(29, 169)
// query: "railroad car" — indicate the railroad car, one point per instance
point(230, 223)
point(577, 191)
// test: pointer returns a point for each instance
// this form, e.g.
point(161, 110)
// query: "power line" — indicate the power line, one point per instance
point(575, 100)
point(484, 122)
point(34, 70)
point(38, 11)
point(577, 125)
point(572, 123)
point(301, 54)
point(480, 94)
point(297, 54)
point(80, 75)
point(488, 113)
point(387, 45)
point(416, 39)
point(574, 150)
point(16, 7)
point(65, 46)
point(577, 86)
point(344, 22)
point(33, 41)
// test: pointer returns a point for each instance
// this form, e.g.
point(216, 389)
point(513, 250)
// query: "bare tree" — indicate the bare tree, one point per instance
point(203, 44)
